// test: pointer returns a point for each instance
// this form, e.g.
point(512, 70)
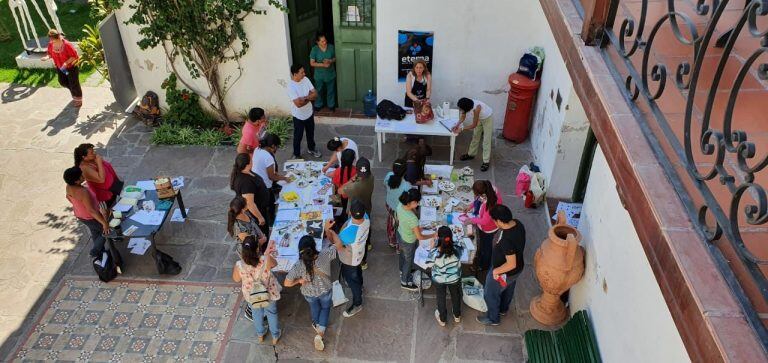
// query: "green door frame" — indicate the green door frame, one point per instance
point(355, 51)
point(304, 20)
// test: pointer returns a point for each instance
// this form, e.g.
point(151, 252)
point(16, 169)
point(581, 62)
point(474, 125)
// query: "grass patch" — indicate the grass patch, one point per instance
point(72, 24)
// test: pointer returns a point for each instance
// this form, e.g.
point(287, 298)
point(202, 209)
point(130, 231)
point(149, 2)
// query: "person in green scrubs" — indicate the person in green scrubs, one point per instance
point(322, 58)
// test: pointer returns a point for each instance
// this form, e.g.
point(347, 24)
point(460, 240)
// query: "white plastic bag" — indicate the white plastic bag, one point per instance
point(338, 294)
point(473, 294)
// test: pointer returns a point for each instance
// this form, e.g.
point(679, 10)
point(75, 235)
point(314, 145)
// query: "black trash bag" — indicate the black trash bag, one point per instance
point(108, 266)
point(165, 264)
point(388, 110)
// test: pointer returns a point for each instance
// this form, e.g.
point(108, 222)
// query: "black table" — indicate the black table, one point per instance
point(147, 231)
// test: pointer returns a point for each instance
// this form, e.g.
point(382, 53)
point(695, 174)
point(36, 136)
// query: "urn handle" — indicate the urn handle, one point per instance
point(573, 245)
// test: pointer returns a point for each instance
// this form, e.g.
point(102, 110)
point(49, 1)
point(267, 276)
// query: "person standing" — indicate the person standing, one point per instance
point(302, 93)
point(508, 263)
point(396, 184)
point(340, 177)
point(64, 56)
point(488, 197)
point(446, 274)
point(252, 188)
point(99, 174)
point(253, 130)
point(361, 188)
point(418, 84)
point(482, 124)
point(264, 164)
point(313, 273)
point(350, 245)
point(86, 209)
point(409, 233)
point(322, 58)
point(253, 268)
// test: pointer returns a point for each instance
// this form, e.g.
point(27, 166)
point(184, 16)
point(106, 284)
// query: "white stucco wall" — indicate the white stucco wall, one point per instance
point(631, 320)
point(265, 66)
point(477, 45)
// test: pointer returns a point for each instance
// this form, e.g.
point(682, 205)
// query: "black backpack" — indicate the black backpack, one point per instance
point(529, 64)
point(149, 108)
point(107, 266)
point(388, 110)
point(165, 264)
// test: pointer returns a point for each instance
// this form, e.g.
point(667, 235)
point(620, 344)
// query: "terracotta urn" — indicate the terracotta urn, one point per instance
point(559, 264)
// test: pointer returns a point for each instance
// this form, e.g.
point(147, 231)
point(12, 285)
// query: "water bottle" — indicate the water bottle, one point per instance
point(64, 70)
point(369, 104)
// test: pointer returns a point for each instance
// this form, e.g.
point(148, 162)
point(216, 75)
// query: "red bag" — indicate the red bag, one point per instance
point(423, 111)
point(529, 200)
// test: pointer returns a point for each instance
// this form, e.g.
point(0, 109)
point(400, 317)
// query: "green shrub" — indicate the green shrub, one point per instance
point(282, 127)
point(184, 106)
point(173, 134)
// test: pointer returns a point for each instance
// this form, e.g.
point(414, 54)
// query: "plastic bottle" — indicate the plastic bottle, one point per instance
point(369, 104)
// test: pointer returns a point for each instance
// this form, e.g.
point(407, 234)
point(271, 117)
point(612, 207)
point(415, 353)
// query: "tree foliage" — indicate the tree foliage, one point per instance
point(200, 34)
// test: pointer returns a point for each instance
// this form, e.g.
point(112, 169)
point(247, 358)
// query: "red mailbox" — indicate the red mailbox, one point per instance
point(522, 94)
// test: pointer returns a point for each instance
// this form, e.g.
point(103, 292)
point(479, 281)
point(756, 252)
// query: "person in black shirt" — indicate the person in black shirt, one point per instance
point(252, 188)
point(507, 262)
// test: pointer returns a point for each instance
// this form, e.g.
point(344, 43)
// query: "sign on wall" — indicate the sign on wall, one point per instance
point(413, 46)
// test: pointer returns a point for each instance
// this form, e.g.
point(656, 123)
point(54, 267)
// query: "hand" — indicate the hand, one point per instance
point(105, 228)
point(98, 159)
point(456, 129)
point(429, 182)
point(495, 275)
point(301, 281)
point(329, 224)
point(270, 247)
point(261, 220)
point(262, 239)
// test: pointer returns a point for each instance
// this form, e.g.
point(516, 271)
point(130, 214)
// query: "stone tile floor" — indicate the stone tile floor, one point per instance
point(42, 243)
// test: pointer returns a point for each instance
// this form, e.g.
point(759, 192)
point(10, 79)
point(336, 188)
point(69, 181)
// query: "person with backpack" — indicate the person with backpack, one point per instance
point(85, 207)
point(259, 287)
point(254, 128)
point(482, 124)
point(301, 93)
point(446, 274)
point(409, 233)
point(313, 273)
point(350, 246)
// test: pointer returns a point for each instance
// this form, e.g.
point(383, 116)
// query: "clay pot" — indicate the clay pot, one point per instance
point(559, 264)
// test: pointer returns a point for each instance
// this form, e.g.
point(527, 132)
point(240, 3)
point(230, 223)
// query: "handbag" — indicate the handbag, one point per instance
point(259, 295)
point(337, 292)
point(423, 111)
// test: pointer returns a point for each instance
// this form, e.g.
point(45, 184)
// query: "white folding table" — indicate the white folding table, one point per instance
point(408, 125)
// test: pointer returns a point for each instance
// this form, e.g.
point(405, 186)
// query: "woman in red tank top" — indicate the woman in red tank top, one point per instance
point(65, 58)
point(86, 209)
point(101, 177)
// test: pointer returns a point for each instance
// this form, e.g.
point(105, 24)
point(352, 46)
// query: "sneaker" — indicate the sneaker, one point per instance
point(247, 312)
point(316, 108)
point(485, 321)
point(296, 157)
point(437, 317)
point(319, 345)
point(466, 157)
point(485, 166)
point(352, 310)
point(456, 319)
point(261, 338)
point(317, 329)
point(364, 265)
point(409, 286)
point(275, 339)
point(316, 154)
point(503, 313)
point(370, 247)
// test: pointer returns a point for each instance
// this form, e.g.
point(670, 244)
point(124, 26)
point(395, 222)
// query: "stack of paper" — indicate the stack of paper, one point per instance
point(139, 246)
point(153, 218)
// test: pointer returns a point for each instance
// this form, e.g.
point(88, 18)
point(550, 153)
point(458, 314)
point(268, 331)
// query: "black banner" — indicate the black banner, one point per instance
point(413, 46)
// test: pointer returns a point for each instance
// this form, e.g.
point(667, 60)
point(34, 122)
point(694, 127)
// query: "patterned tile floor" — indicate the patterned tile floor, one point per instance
point(130, 321)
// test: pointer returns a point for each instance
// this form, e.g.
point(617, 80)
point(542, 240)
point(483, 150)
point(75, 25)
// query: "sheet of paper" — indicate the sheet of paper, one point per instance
point(468, 244)
point(426, 189)
point(285, 263)
point(328, 212)
point(122, 207)
point(153, 218)
point(141, 246)
point(421, 257)
point(572, 212)
point(177, 182)
point(289, 214)
point(383, 125)
point(146, 184)
point(428, 214)
point(129, 231)
point(439, 170)
point(464, 256)
point(176, 216)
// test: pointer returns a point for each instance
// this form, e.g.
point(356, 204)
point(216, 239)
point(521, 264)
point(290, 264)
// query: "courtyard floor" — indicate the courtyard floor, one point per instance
point(52, 306)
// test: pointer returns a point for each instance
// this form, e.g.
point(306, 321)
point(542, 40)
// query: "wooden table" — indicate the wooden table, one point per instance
point(409, 126)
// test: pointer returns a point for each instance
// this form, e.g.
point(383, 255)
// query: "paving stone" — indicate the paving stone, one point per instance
point(381, 279)
point(526, 289)
point(169, 160)
point(213, 255)
point(381, 331)
point(201, 273)
point(433, 342)
point(471, 346)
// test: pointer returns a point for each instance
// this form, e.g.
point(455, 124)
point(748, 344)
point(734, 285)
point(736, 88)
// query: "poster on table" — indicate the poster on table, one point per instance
point(413, 46)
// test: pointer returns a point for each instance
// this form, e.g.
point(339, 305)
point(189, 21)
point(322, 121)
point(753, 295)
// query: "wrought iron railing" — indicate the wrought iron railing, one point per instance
point(713, 158)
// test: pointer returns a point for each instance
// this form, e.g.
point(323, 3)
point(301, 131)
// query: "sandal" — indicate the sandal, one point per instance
point(485, 166)
point(466, 157)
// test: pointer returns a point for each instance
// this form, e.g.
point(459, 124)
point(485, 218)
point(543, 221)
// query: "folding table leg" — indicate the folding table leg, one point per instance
point(181, 204)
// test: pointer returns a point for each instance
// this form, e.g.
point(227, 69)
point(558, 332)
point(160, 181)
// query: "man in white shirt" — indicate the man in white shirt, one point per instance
point(302, 93)
point(482, 123)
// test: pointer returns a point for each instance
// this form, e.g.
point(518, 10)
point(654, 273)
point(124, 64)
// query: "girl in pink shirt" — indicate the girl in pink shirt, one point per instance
point(489, 196)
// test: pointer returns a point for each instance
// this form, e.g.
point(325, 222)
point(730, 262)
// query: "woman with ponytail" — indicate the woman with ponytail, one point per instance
point(252, 188)
point(446, 274)
point(313, 273)
point(241, 223)
point(396, 184)
point(409, 233)
point(101, 177)
point(336, 146)
point(257, 267)
point(488, 197)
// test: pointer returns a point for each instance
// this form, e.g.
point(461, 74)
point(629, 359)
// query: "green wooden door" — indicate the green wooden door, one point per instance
point(354, 28)
point(304, 20)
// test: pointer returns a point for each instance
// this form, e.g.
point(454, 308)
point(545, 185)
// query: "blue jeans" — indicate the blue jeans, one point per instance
point(498, 298)
point(407, 251)
point(320, 308)
point(258, 319)
point(353, 275)
point(298, 133)
point(95, 230)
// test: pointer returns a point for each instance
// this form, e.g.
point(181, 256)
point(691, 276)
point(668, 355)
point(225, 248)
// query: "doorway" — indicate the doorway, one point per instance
point(350, 26)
